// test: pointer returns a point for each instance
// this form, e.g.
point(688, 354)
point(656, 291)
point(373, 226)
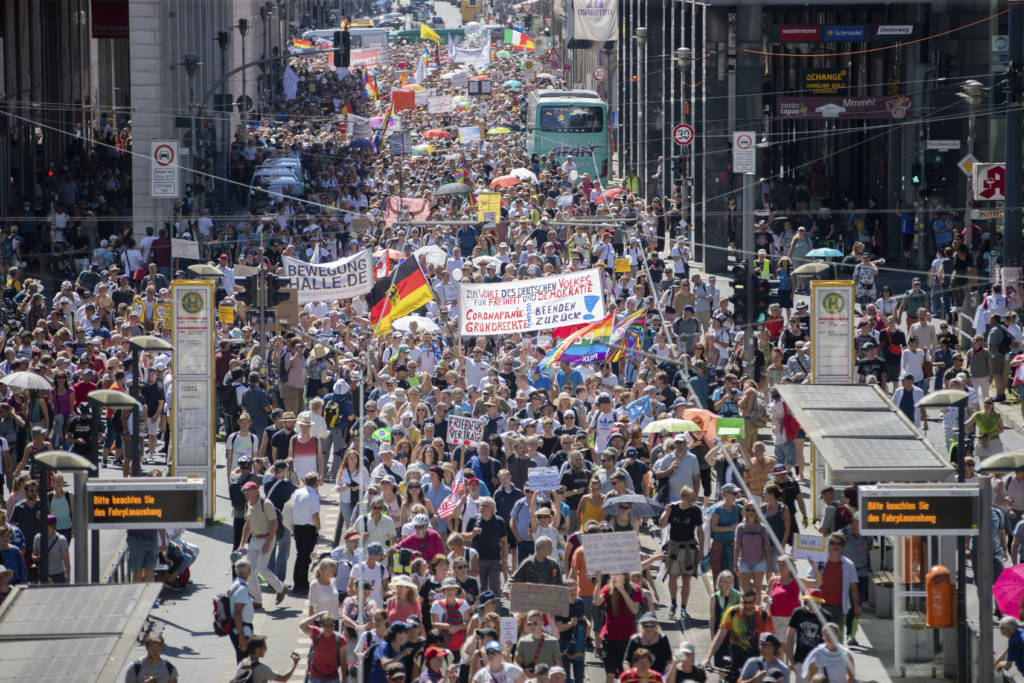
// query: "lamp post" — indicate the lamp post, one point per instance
point(139, 344)
point(192, 63)
point(243, 30)
point(955, 398)
point(71, 462)
point(971, 92)
point(266, 11)
point(640, 35)
point(113, 400)
point(684, 60)
point(223, 39)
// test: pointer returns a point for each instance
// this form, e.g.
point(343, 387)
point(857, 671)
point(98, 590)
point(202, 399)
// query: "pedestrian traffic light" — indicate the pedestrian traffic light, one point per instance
point(740, 282)
point(250, 286)
point(277, 287)
point(337, 48)
point(915, 173)
point(763, 298)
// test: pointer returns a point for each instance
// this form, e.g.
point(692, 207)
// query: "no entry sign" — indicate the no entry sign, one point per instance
point(683, 134)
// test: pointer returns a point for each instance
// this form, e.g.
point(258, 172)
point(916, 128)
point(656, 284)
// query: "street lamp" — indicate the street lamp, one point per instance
point(955, 398)
point(266, 11)
point(71, 462)
point(683, 57)
point(970, 91)
point(640, 35)
point(192, 63)
point(223, 39)
point(243, 30)
point(139, 344)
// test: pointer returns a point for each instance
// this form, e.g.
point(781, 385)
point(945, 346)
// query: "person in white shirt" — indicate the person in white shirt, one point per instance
point(306, 521)
point(371, 570)
point(830, 658)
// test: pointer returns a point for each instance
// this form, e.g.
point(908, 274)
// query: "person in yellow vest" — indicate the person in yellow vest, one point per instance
point(763, 264)
point(631, 182)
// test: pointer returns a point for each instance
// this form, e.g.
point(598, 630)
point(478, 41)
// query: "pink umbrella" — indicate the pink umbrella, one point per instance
point(377, 120)
point(504, 181)
point(1009, 589)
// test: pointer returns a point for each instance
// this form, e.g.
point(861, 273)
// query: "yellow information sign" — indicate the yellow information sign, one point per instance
point(622, 265)
point(488, 207)
point(226, 314)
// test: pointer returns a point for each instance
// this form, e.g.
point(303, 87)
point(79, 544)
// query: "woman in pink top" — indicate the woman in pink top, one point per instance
point(784, 592)
point(304, 450)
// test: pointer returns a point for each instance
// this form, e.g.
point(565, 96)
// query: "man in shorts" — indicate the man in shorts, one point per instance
point(685, 546)
point(153, 397)
point(144, 548)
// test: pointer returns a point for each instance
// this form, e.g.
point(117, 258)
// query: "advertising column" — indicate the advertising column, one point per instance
point(192, 399)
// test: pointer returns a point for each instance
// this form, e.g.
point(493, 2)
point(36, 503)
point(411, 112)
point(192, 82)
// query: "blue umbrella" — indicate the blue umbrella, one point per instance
point(825, 252)
point(512, 84)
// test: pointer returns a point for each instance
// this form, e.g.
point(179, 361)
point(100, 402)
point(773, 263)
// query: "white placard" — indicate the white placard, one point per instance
point(440, 104)
point(469, 134)
point(744, 152)
point(542, 478)
point(832, 332)
point(344, 279)
point(184, 249)
point(541, 303)
point(163, 162)
point(508, 630)
point(810, 547)
point(465, 430)
point(423, 96)
point(460, 81)
point(400, 143)
point(359, 127)
point(613, 553)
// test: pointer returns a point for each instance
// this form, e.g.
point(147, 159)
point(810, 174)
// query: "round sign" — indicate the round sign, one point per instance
point(744, 140)
point(683, 134)
point(163, 155)
point(599, 73)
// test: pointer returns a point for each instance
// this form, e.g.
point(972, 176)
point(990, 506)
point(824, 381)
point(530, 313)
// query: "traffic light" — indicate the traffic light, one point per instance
point(915, 173)
point(337, 48)
point(740, 282)
point(250, 285)
point(277, 287)
point(763, 298)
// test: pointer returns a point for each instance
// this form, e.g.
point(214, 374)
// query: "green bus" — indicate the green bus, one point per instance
point(563, 123)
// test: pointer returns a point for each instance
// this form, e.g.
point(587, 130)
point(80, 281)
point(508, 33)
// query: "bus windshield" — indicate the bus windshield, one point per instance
point(571, 119)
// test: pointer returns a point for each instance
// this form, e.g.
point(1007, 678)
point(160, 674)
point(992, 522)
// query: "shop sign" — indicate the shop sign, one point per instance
point(898, 107)
point(826, 81)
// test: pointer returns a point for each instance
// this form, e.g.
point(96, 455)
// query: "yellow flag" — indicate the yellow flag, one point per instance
point(427, 33)
point(402, 80)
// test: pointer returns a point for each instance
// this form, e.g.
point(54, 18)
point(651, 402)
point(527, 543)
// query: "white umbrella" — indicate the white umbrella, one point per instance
point(545, 75)
point(484, 261)
point(434, 254)
point(524, 174)
point(26, 380)
point(423, 324)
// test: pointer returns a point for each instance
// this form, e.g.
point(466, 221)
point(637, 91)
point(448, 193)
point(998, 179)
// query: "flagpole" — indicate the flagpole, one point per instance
point(362, 491)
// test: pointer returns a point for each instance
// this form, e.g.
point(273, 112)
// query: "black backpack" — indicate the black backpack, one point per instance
point(1004, 340)
point(137, 666)
point(244, 673)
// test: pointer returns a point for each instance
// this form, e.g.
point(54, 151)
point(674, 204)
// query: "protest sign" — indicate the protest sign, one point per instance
point(538, 596)
point(613, 553)
point(488, 207)
point(810, 547)
point(460, 80)
point(400, 143)
point(423, 96)
point(465, 430)
point(622, 265)
point(469, 134)
point(342, 279)
point(542, 478)
point(359, 127)
point(441, 104)
point(509, 630)
point(541, 303)
point(184, 249)
point(368, 56)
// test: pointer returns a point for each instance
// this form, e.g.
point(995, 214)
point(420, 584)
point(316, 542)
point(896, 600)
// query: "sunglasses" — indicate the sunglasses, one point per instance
point(625, 507)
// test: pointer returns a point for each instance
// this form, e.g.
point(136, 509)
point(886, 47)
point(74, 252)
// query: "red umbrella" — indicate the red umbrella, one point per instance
point(608, 194)
point(437, 133)
point(504, 181)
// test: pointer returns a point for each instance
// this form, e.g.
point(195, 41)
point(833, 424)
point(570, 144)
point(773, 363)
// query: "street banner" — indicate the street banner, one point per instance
point(542, 478)
point(418, 208)
point(462, 55)
point(465, 430)
point(866, 107)
point(345, 279)
point(539, 596)
point(459, 81)
point(440, 104)
point(832, 331)
point(542, 303)
point(595, 20)
point(359, 127)
point(614, 553)
point(423, 96)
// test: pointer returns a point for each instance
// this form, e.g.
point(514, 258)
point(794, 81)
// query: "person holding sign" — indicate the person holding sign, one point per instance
point(623, 601)
point(685, 546)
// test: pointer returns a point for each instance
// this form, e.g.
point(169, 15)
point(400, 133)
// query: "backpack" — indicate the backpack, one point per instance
point(137, 666)
point(759, 415)
point(366, 662)
point(843, 517)
point(312, 649)
point(1004, 341)
point(223, 619)
point(244, 674)
point(332, 411)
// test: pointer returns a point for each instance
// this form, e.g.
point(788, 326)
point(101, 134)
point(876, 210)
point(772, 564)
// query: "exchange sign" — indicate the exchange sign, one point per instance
point(923, 510)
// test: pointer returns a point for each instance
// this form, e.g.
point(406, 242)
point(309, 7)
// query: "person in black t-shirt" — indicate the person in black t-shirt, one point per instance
point(803, 633)
point(872, 365)
point(685, 546)
point(892, 340)
point(80, 430)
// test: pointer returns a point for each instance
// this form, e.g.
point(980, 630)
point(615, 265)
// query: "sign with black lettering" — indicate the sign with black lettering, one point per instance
point(145, 503)
point(826, 81)
point(919, 510)
point(344, 279)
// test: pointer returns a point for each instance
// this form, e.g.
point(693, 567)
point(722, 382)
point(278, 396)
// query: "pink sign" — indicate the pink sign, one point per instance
point(894, 107)
point(369, 56)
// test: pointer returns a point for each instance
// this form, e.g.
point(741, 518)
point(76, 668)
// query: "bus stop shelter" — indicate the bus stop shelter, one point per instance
point(862, 436)
point(80, 633)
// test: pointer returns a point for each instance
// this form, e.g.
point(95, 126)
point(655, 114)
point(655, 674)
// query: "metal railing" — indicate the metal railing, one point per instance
point(117, 570)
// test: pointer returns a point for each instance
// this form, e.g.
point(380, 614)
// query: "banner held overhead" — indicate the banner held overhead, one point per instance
point(344, 279)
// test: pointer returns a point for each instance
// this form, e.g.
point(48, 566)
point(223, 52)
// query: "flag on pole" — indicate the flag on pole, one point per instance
point(639, 408)
point(519, 40)
point(391, 299)
point(347, 108)
point(420, 74)
point(427, 33)
point(401, 82)
point(370, 88)
point(588, 344)
point(449, 504)
point(628, 333)
point(382, 131)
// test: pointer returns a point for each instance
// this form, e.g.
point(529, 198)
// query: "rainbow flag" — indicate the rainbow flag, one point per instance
point(628, 333)
point(461, 172)
point(588, 344)
point(382, 131)
point(370, 88)
point(301, 43)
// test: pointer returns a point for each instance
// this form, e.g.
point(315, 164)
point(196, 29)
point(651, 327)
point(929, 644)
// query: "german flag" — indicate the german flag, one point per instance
point(401, 294)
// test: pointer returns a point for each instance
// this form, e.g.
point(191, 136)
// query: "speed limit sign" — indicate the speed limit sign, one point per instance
point(599, 73)
point(683, 134)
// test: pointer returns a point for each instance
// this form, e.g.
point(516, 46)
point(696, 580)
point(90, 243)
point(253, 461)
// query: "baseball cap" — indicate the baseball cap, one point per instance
point(493, 646)
point(685, 647)
point(828, 489)
point(556, 670)
point(648, 618)
point(769, 639)
point(779, 469)
point(250, 486)
point(398, 627)
point(434, 651)
point(420, 520)
point(730, 488)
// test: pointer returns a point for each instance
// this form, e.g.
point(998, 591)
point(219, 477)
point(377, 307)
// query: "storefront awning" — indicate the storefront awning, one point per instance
point(863, 436)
